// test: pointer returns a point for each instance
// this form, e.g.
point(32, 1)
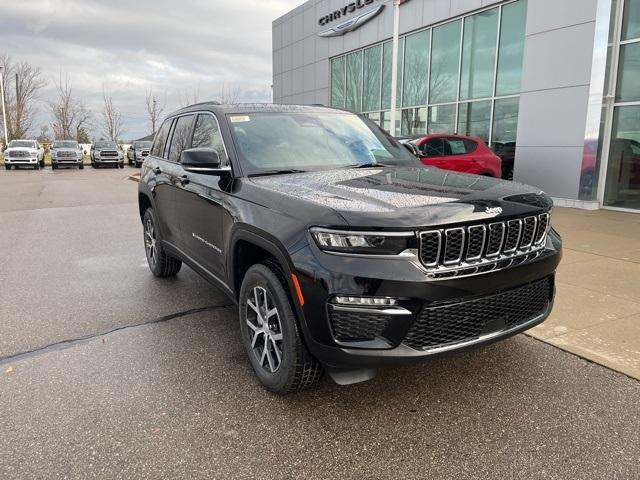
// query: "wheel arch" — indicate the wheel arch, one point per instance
point(249, 246)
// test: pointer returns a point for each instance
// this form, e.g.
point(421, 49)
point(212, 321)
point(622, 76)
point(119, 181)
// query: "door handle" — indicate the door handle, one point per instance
point(184, 179)
point(157, 170)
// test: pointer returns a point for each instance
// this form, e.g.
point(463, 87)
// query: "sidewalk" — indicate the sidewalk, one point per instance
point(597, 310)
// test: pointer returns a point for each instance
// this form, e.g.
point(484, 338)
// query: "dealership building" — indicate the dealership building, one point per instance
point(552, 85)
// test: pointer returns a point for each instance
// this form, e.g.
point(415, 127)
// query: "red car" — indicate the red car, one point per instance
point(456, 152)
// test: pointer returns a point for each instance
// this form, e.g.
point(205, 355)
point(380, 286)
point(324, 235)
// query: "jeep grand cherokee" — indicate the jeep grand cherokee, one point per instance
point(344, 254)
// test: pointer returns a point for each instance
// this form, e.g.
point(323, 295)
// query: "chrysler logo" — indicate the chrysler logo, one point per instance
point(493, 210)
point(352, 23)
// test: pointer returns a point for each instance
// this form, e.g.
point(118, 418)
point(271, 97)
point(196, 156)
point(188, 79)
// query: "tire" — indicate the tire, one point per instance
point(36, 166)
point(296, 368)
point(8, 167)
point(121, 165)
point(81, 166)
point(93, 165)
point(54, 166)
point(42, 163)
point(160, 263)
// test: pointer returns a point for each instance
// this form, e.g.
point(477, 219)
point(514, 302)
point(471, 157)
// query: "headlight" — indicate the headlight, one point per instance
point(363, 243)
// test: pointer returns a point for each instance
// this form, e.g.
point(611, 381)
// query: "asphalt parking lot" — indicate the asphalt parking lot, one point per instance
point(107, 372)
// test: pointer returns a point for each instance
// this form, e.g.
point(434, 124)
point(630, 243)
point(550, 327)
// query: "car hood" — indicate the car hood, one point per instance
point(407, 197)
point(20, 149)
point(74, 150)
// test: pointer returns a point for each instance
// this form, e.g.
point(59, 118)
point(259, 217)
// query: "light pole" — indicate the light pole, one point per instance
point(4, 109)
point(394, 65)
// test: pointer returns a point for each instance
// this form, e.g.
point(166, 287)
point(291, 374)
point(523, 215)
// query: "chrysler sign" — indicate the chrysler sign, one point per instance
point(352, 23)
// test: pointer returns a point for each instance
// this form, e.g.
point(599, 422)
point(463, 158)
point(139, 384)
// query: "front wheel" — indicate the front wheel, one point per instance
point(81, 166)
point(8, 167)
point(160, 264)
point(271, 335)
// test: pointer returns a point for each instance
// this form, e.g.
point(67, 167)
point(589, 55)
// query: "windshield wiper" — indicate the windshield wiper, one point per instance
point(368, 165)
point(276, 172)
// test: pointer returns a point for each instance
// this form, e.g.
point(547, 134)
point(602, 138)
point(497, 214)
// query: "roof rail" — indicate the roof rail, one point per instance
point(208, 102)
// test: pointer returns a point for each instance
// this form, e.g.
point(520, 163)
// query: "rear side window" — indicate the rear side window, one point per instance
point(206, 134)
point(181, 138)
point(433, 148)
point(459, 146)
point(161, 139)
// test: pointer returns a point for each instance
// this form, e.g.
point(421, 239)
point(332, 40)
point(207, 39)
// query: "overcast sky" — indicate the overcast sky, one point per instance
point(177, 47)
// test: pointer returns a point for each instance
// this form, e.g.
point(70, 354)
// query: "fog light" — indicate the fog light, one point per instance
point(366, 301)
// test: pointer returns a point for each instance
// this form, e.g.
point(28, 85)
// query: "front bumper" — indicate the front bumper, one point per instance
point(20, 161)
point(109, 161)
point(398, 338)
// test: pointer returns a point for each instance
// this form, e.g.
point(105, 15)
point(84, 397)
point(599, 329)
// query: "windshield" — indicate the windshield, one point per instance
point(106, 145)
point(270, 142)
point(65, 145)
point(21, 144)
point(142, 144)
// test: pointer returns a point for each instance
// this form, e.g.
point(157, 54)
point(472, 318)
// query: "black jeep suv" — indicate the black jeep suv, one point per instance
point(343, 252)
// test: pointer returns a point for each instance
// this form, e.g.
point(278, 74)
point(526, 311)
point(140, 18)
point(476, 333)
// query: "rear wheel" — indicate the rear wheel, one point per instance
point(270, 333)
point(160, 263)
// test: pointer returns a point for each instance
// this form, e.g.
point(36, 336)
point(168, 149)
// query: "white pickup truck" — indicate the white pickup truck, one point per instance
point(24, 153)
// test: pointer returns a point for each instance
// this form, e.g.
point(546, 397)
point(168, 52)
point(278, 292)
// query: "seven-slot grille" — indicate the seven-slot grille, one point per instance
point(477, 244)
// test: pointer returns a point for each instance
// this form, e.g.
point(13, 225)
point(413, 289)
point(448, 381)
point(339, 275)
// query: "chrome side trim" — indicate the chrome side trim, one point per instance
point(376, 311)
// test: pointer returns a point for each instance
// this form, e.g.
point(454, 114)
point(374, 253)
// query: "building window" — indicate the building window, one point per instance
point(474, 118)
point(445, 63)
point(386, 73)
point(510, 52)
point(354, 82)
point(416, 69)
point(479, 55)
point(337, 82)
point(372, 78)
point(414, 121)
point(629, 74)
point(442, 119)
point(631, 20)
point(462, 76)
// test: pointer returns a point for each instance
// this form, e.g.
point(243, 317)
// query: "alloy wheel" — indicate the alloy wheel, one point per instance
point(150, 241)
point(265, 329)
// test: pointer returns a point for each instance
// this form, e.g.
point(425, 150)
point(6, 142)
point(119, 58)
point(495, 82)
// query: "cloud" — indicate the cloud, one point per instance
point(176, 47)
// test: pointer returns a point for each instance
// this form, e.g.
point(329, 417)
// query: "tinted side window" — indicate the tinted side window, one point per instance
point(433, 148)
point(456, 146)
point(206, 134)
point(181, 138)
point(160, 139)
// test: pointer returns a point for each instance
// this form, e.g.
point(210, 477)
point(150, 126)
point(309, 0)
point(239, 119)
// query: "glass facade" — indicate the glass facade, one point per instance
point(462, 76)
point(622, 184)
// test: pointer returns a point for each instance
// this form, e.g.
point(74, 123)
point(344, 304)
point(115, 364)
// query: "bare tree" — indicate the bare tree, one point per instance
point(190, 97)
point(229, 95)
point(70, 114)
point(111, 118)
point(155, 107)
point(22, 82)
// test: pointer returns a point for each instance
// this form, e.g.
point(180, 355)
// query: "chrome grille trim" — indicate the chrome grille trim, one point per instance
point(504, 244)
point(447, 234)
point(438, 235)
point(470, 236)
point(491, 251)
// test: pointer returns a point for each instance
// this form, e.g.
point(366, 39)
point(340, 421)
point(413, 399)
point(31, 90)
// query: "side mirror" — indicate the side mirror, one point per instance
point(201, 160)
